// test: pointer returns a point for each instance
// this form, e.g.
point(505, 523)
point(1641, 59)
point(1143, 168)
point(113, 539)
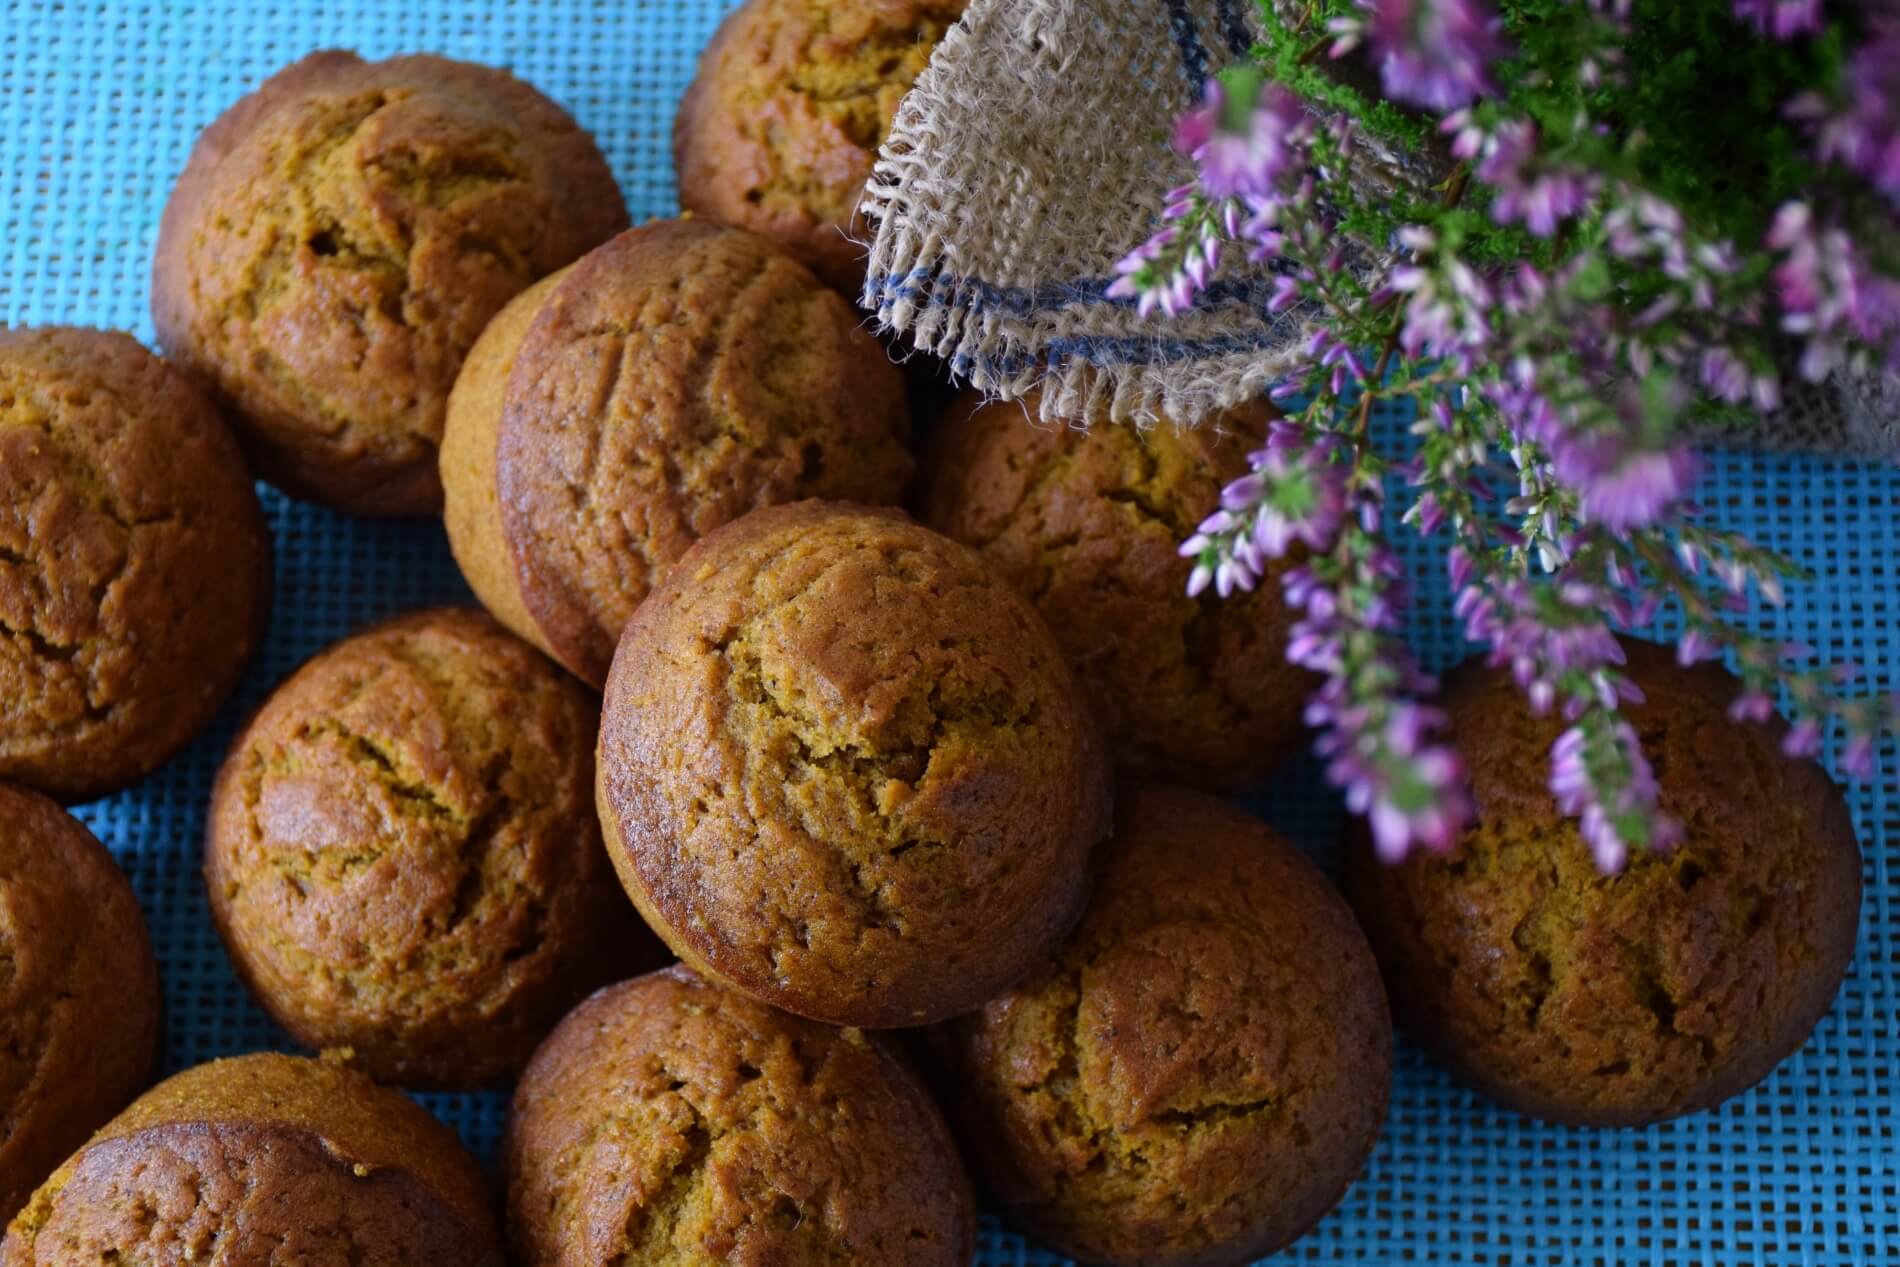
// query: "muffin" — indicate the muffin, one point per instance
point(844, 768)
point(78, 991)
point(264, 1158)
point(616, 412)
point(1089, 524)
point(1620, 1000)
point(671, 1122)
point(134, 561)
point(340, 237)
point(403, 856)
point(1203, 1070)
point(780, 128)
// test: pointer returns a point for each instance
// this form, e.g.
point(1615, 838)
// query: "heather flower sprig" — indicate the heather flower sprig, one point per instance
point(1564, 316)
point(1322, 491)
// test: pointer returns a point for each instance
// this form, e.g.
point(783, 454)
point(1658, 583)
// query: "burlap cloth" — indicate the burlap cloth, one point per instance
point(1033, 154)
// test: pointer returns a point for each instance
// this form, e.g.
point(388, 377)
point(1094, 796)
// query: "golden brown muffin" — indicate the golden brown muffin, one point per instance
point(403, 856)
point(263, 1159)
point(781, 127)
point(134, 561)
point(341, 236)
point(1089, 525)
point(670, 381)
point(1619, 1000)
point(1203, 1070)
point(78, 991)
point(671, 1122)
point(844, 768)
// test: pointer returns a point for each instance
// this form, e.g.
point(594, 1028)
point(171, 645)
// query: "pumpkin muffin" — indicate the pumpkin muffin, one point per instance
point(670, 1122)
point(78, 991)
point(1620, 1000)
point(1088, 524)
point(338, 240)
point(134, 561)
point(264, 1158)
point(779, 131)
point(614, 413)
point(403, 856)
point(844, 768)
point(1203, 1070)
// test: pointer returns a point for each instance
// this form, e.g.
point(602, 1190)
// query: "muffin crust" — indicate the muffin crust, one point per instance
point(1620, 1000)
point(134, 561)
point(1088, 524)
point(338, 240)
point(779, 130)
point(403, 856)
point(670, 1122)
point(262, 1158)
point(843, 768)
point(1203, 1070)
point(673, 379)
point(78, 991)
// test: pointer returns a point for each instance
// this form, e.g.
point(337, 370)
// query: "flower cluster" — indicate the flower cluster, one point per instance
point(1572, 364)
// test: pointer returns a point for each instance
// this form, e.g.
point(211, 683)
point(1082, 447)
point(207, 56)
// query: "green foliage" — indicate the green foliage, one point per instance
point(1698, 118)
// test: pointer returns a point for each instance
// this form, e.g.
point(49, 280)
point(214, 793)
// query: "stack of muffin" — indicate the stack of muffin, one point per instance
point(856, 773)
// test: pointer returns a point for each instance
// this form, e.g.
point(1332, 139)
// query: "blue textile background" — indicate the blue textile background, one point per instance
point(99, 102)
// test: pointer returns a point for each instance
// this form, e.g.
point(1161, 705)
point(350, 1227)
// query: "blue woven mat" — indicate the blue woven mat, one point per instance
point(98, 106)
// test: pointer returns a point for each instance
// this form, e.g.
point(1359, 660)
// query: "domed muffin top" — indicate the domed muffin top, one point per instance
point(844, 765)
point(782, 125)
point(670, 1122)
point(134, 561)
point(1621, 999)
point(341, 236)
point(1203, 1069)
point(403, 853)
point(667, 383)
point(257, 1157)
point(79, 1006)
point(1088, 523)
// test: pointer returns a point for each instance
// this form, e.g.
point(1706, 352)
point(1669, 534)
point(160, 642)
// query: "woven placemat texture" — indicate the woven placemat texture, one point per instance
point(98, 105)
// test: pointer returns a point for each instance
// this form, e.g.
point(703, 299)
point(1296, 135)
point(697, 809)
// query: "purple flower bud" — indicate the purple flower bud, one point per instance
point(1434, 53)
point(1695, 647)
point(1751, 706)
point(1199, 579)
point(1803, 738)
point(1857, 757)
point(1245, 148)
point(1783, 19)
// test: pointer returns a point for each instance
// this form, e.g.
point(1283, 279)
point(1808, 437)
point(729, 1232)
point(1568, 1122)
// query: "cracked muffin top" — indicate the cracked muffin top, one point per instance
point(780, 128)
point(671, 1122)
point(1202, 1071)
point(78, 991)
point(1088, 524)
point(338, 240)
point(263, 1159)
point(616, 412)
point(134, 561)
point(1626, 999)
point(844, 768)
point(403, 856)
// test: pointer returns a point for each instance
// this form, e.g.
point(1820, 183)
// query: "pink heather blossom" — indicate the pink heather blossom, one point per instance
point(1829, 291)
point(1245, 137)
point(1541, 198)
point(1864, 132)
point(1434, 53)
point(1803, 738)
point(1783, 19)
point(1603, 805)
point(1636, 488)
